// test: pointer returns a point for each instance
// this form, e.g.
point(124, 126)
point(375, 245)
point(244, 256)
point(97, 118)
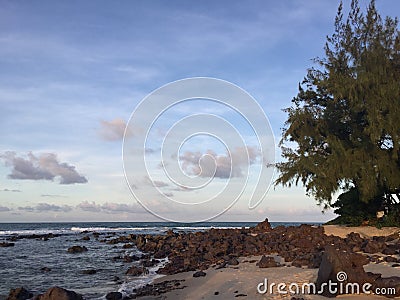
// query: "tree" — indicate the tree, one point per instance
point(344, 124)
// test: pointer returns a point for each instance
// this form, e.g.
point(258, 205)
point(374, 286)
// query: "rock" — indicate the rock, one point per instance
point(86, 238)
point(390, 259)
point(334, 262)
point(267, 262)
point(261, 227)
point(114, 296)
point(233, 262)
point(136, 271)
point(388, 283)
point(57, 293)
point(19, 294)
point(89, 272)
point(374, 246)
point(77, 249)
point(199, 274)
point(45, 269)
point(6, 244)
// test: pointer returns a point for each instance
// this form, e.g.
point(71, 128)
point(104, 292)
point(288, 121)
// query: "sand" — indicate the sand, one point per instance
point(364, 231)
point(234, 282)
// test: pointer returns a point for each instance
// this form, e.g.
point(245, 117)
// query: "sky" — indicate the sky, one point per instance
point(73, 74)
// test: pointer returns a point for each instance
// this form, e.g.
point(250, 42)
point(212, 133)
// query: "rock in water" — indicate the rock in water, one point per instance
point(57, 293)
point(267, 262)
point(114, 296)
point(136, 271)
point(77, 249)
point(19, 294)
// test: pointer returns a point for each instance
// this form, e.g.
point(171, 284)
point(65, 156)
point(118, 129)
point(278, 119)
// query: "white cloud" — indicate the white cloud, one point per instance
point(210, 164)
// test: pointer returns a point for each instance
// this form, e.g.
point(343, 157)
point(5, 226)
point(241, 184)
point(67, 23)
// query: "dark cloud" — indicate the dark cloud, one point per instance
point(210, 164)
point(41, 167)
point(8, 190)
point(44, 207)
point(4, 208)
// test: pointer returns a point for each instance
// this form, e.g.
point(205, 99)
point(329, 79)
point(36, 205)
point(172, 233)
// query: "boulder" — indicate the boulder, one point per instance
point(57, 293)
point(348, 264)
point(19, 294)
point(6, 244)
point(267, 262)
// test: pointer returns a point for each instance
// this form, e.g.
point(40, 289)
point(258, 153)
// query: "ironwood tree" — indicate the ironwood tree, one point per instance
point(342, 132)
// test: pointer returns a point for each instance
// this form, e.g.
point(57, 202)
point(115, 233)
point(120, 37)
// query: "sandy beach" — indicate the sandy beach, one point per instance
point(241, 281)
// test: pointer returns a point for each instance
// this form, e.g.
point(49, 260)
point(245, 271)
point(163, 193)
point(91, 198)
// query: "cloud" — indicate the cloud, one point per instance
point(114, 130)
point(53, 196)
point(107, 207)
point(89, 206)
point(42, 167)
point(210, 164)
point(4, 208)
point(44, 207)
point(8, 190)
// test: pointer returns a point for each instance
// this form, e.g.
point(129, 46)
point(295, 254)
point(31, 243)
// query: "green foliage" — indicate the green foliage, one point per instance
point(343, 126)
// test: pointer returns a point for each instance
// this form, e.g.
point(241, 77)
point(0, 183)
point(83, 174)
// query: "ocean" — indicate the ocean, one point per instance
point(24, 263)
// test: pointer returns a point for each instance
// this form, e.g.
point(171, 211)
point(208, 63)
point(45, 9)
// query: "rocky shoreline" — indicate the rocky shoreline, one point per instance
point(303, 246)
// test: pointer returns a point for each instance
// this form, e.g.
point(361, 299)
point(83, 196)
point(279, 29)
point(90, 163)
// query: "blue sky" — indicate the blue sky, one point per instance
point(72, 72)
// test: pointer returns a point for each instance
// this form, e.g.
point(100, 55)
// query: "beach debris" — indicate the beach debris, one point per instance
point(19, 294)
point(77, 249)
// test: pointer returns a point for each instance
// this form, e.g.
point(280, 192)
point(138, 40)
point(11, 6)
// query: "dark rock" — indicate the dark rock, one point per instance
point(395, 265)
point(240, 295)
point(89, 272)
point(114, 296)
point(19, 294)
point(390, 259)
point(57, 293)
point(45, 269)
point(216, 293)
point(136, 271)
point(77, 249)
point(264, 226)
point(199, 274)
point(86, 238)
point(335, 261)
point(388, 283)
point(267, 262)
point(6, 244)
point(233, 262)
point(374, 246)
point(148, 263)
